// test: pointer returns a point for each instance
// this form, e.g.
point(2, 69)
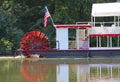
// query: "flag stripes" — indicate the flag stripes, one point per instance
point(46, 16)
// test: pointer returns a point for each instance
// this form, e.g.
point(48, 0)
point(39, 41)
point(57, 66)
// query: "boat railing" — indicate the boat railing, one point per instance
point(101, 24)
point(81, 45)
point(72, 44)
point(54, 44)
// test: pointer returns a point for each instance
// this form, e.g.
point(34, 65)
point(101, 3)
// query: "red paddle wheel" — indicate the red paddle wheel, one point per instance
point(33, 41)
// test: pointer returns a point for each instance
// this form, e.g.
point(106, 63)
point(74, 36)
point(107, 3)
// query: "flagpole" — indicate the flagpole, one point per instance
point(52, 20)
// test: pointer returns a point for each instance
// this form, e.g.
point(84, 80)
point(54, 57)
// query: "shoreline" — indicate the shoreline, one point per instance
point(114, 60)
point(7, 57)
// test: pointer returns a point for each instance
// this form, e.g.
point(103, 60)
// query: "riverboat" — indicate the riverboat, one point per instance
point(92, 39)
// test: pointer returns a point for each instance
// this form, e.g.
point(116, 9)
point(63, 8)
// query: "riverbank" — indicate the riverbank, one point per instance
point(6, 57)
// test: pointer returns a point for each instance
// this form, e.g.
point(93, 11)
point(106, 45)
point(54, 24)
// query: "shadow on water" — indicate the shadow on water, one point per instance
point(60, 70)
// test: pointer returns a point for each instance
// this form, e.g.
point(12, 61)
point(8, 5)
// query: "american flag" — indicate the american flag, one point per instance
point(46, 16)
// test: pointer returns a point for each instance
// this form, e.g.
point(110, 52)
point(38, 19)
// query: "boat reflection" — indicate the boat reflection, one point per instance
point(34, 71)
point(62, 73)
point(104, 72)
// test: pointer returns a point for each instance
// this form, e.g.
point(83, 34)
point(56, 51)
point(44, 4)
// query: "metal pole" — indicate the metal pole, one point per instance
point(107, 41)
point(118, 41)
point(94, 21)
point(97, 41)
point(110, 41)
point(91, 20)
point(77, 39)
point(88, 38)
point(118, 20)
point(52, 21)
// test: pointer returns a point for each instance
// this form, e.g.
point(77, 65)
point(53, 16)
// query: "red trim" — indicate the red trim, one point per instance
point(94, 35)
point(74, 26)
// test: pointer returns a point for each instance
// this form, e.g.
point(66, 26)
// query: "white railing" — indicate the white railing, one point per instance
point(99, 24)
point(103, 30)
point(82, 45)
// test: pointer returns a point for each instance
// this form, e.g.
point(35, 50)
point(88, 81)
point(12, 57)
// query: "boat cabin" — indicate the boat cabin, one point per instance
point(97, 34)
point(105, 33)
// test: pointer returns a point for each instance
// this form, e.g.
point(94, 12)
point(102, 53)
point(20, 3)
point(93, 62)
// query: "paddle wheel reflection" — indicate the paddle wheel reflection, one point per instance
point(34, 71)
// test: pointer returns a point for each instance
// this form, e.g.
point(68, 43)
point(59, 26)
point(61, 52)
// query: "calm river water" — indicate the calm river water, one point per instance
point(60, 70)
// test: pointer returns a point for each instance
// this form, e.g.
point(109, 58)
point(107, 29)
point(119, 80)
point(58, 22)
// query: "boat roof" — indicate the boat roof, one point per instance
point(106, 9)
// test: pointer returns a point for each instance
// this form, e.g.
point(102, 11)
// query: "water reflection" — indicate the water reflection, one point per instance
point(105, 72)
point(10, 71)
point(37, 71)
point(62, 73)
point(33, 71)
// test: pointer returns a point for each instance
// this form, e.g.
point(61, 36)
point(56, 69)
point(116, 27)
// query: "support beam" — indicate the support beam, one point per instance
point(97, 41)
point(77, 38)
point(110, 41)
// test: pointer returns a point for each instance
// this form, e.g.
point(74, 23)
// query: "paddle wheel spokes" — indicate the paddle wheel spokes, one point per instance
point(34, 40)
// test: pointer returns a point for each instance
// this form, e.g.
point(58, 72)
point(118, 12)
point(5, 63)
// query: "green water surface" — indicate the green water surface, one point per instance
point(60, 70)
